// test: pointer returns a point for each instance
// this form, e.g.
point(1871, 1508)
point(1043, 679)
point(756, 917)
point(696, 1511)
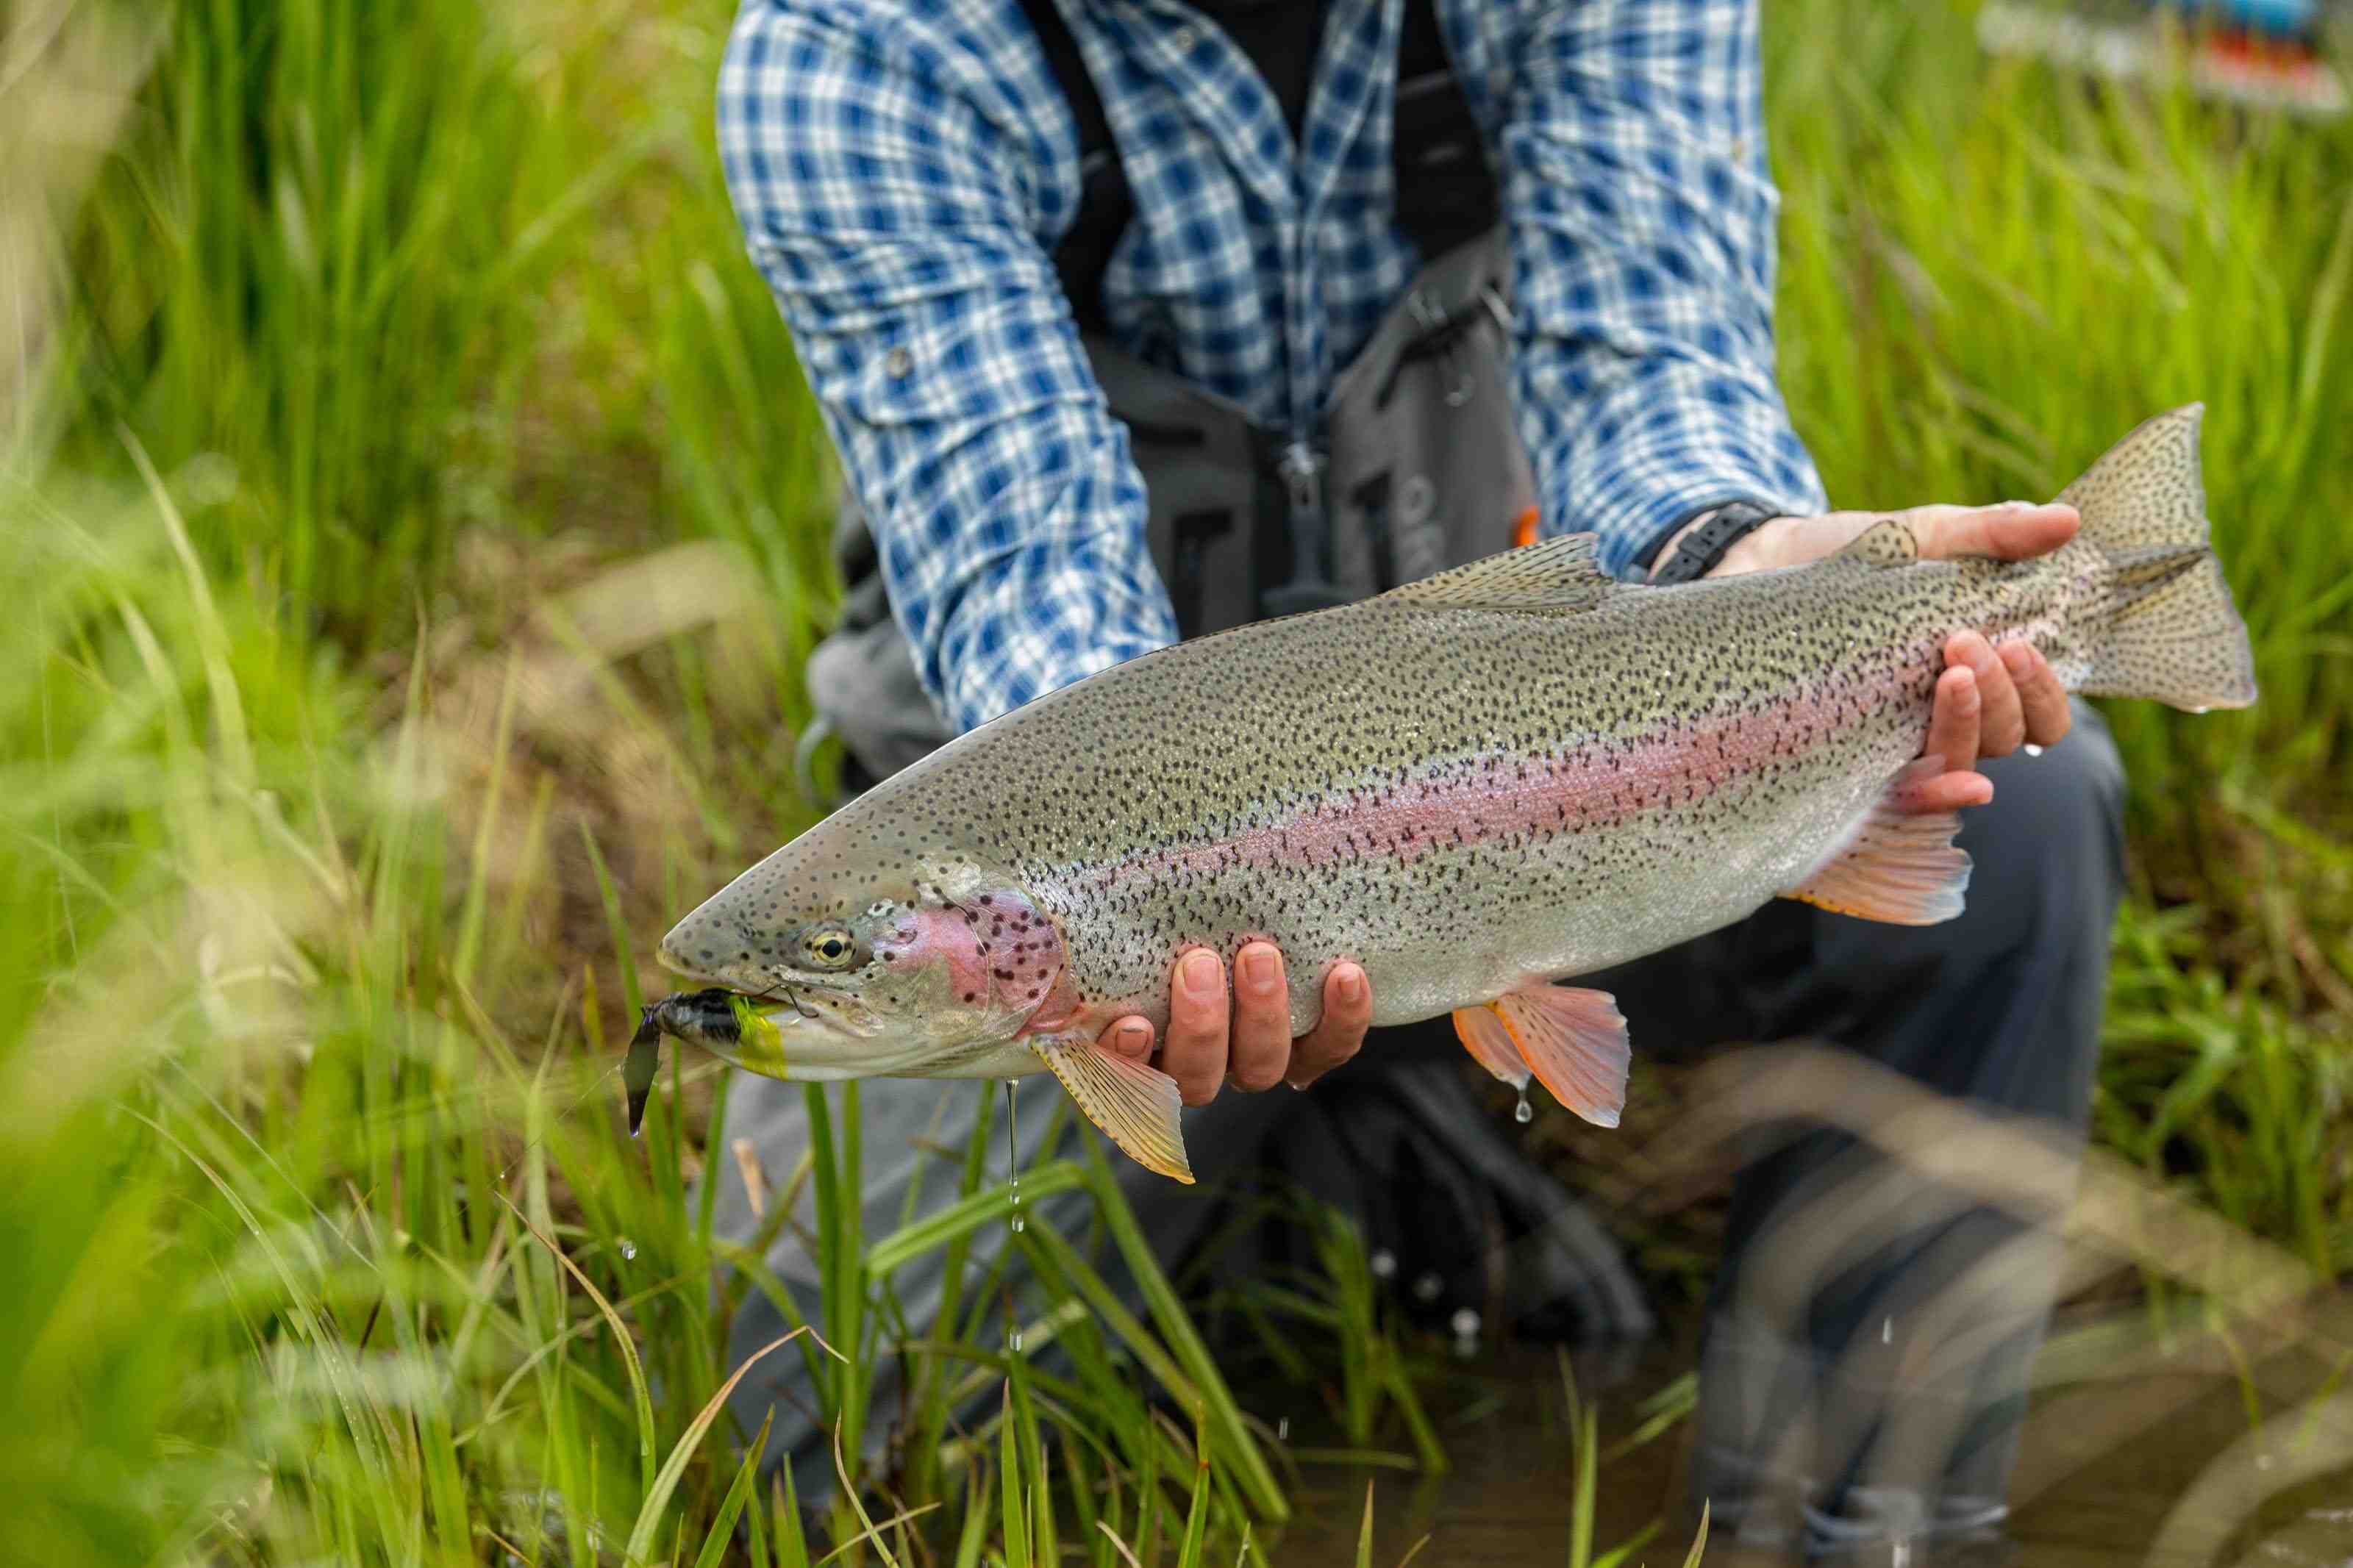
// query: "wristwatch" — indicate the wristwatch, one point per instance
point(1699, 549)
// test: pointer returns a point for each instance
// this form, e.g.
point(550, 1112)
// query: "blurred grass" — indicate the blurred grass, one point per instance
point(415, 524)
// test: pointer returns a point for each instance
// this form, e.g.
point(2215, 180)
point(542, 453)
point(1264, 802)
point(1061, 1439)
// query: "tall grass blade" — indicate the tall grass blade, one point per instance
point(641, 1534)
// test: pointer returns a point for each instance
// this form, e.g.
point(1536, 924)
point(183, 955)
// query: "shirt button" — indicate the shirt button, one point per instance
point(898, 362)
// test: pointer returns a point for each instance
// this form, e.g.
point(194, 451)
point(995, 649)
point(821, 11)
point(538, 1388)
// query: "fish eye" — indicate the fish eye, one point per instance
point(828, 947)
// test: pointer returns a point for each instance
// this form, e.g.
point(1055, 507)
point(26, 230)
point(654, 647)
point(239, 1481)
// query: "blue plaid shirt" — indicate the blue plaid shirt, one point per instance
point(903, 168)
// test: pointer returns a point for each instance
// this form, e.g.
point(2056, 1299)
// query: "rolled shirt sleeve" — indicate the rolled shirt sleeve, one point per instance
point(892, 198)
point(1642, 218)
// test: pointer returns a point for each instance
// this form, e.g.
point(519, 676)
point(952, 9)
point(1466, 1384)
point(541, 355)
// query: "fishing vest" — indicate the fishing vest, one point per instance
point(1416, 464)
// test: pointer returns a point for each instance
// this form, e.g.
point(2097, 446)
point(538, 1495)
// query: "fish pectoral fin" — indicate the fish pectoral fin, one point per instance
point(1481, 1029)
point(1136, 1106)
point(1900, 867)
point(1572, 1041)
point(1552, 577)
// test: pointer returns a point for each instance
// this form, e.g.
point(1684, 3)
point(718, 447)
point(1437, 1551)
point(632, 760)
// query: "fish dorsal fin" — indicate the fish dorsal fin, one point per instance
point(1552, 577)
point(1887, 542)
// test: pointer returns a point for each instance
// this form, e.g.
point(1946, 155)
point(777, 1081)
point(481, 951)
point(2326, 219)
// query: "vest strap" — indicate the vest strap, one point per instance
point(1446, 193)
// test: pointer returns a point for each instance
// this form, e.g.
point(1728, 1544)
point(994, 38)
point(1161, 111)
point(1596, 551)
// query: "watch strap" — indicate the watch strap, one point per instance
point(1699, 550)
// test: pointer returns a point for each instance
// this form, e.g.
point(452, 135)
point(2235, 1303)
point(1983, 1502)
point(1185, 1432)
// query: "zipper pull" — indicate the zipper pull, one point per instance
point(1303, 475)
point(1300, 468)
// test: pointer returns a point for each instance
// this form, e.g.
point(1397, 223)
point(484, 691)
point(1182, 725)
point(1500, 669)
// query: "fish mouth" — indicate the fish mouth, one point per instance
point(783, 1002)
point(826, 1038)
point(810, 1014)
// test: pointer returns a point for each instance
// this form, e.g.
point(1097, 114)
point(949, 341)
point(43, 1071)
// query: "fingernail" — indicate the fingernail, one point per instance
point(1261, 969)
point(1202, 975)
point(1350, 984)
point(1132, 1036)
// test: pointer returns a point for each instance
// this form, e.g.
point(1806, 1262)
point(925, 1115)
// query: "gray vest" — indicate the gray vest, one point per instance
point(1417, 465)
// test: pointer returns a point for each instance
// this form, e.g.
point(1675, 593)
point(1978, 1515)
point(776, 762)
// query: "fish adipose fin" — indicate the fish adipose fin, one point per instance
point(1886, 543)
point(1136, 1106)
point(1559, 576)
point(1900, 867)
point(1572, 1041)
point(2173, 634)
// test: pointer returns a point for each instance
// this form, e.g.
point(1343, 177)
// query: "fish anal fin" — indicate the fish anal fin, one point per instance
point(1551, 577)
point(1574, 1042)
point(1483, 1034)
point(1900, 867)
point(1136, 1106)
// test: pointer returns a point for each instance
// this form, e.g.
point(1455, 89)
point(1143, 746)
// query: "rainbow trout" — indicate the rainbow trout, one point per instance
point(1476, 786)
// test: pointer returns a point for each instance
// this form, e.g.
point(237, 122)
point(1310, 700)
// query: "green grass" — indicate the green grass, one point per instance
point(354, 751)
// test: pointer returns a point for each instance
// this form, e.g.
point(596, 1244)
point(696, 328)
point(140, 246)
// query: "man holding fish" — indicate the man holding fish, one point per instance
point(1136, 322)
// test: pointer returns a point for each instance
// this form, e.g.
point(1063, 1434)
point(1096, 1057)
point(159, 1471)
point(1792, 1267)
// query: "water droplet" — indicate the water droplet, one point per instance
point(1282, 1429)
point(1887, 1330)
point(1524, 1112)
point(1017, 1226)
point(628, 1248)
point(1384, 1264)
point(1465, 1323)
point(1013, 1341)
point(1427, 1288)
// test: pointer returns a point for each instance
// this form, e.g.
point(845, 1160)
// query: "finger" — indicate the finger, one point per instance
point(2014, 530)
point(1347, 1013)
point(1130, 1036)
point(1261, 1029)
point(1953, 728)
point(2001, 721)
point(1195, 1054)
point(2040, 695)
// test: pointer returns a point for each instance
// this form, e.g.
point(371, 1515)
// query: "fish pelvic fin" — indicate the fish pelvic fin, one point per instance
point(1482, 1033)
point(2172, 633)
point(1898, 866)
point(1137, 1107)
point(1574, 1041)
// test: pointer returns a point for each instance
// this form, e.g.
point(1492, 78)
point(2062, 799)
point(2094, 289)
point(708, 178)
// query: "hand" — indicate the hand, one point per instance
point(1252, 1047)
point(1989, 702)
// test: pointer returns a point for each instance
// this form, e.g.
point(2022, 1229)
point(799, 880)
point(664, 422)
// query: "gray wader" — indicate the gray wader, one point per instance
point(1807, 1437)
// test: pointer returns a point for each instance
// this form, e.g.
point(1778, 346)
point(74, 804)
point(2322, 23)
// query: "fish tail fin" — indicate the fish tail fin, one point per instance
point(2171, 633)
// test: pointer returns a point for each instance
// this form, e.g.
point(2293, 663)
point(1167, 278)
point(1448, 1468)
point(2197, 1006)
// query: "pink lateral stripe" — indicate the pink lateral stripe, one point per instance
point(1458, 803)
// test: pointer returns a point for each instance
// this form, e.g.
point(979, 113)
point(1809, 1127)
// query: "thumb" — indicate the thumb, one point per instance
point(2013, 530)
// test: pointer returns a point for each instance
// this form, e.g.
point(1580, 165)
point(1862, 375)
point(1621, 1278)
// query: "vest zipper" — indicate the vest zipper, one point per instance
point(1300, 468)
